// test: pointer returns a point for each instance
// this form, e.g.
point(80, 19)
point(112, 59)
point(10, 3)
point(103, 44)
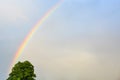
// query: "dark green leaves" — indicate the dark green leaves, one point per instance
point(22, 71)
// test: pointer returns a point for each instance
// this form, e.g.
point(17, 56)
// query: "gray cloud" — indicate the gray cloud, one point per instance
point(79, 51)
point(86, 58)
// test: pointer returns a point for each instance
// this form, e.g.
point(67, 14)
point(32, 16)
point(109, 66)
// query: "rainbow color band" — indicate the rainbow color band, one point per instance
point(33, 30)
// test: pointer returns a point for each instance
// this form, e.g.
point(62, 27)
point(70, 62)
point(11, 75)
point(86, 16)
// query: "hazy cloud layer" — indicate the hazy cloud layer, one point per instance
point(11, 12)
point(74, 59)
point(78, 41)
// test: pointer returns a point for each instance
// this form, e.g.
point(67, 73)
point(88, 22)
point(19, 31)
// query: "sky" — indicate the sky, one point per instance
point(78, 41)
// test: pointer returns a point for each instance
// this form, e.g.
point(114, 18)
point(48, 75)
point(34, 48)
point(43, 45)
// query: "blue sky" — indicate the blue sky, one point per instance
point(80, 40)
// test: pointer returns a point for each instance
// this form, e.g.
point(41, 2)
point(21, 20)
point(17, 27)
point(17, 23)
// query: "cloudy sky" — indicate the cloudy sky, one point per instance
point(78, 41)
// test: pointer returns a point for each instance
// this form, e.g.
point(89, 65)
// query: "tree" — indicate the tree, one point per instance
point(22, 71)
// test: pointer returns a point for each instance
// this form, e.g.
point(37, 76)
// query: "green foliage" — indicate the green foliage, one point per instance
point(22, 71)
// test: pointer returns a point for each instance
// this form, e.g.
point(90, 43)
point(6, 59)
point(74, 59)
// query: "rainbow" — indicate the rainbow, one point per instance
point(33, 30)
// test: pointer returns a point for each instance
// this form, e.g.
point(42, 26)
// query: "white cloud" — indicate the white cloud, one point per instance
point(9, 12)
point(71, 62)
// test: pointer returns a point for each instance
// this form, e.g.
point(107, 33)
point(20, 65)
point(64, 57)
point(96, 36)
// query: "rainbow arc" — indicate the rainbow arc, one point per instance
point(33, 30)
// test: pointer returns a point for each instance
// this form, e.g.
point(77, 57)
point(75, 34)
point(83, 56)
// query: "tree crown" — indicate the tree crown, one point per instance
point(22, 71)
